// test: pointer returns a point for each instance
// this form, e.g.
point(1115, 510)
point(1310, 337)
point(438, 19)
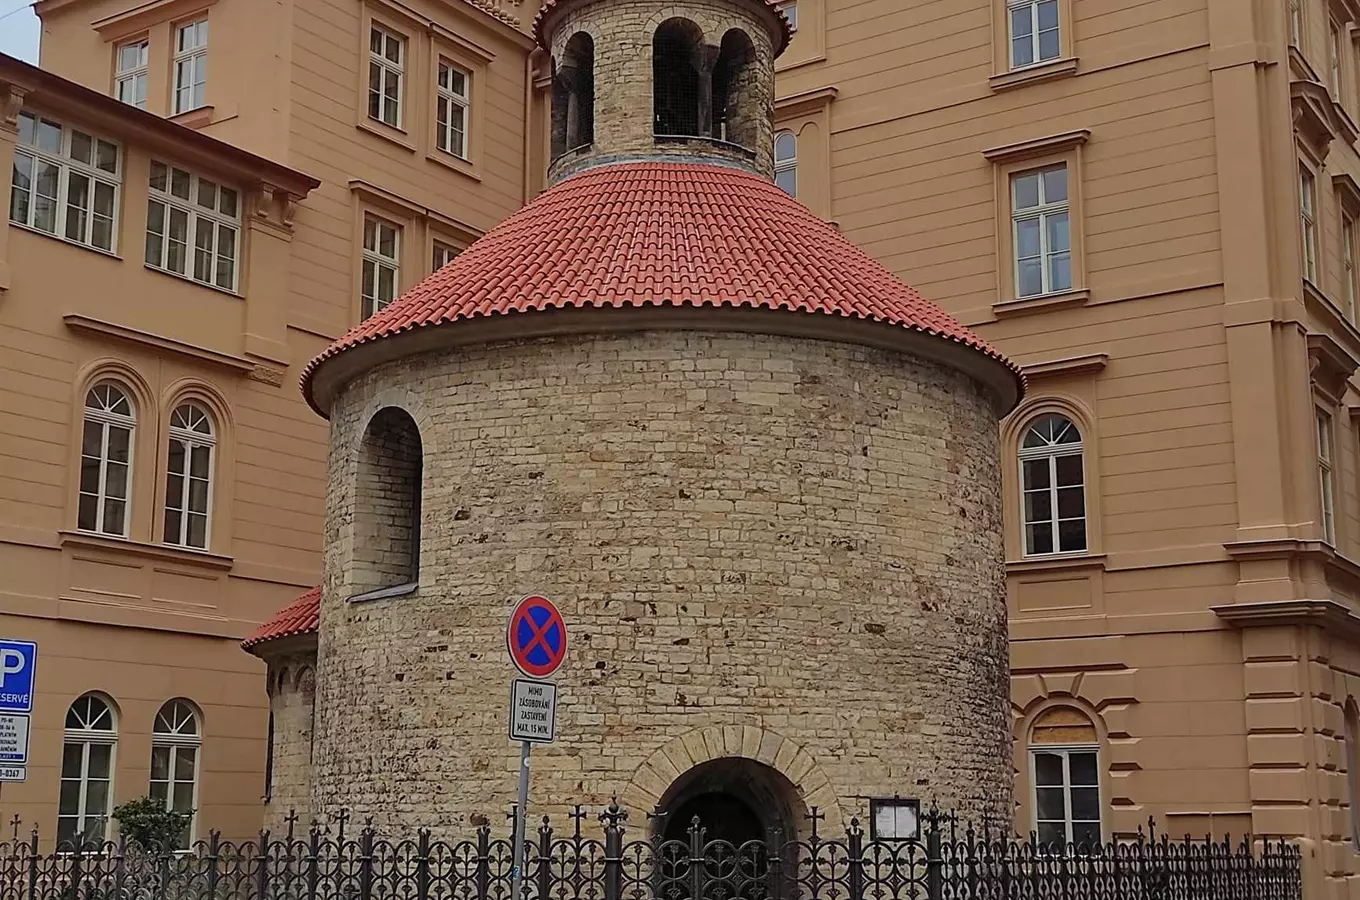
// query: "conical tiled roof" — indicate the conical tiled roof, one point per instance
point(662, 234)
point(302, 616)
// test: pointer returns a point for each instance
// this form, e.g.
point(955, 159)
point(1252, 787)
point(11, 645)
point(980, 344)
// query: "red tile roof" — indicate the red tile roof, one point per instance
point(643, 234)
point(785, 31)
point(302, 616)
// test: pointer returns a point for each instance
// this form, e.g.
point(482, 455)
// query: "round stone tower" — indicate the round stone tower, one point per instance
point(758, 474)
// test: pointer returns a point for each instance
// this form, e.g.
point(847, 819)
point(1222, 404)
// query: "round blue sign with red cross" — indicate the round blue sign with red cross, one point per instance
point(537, 637)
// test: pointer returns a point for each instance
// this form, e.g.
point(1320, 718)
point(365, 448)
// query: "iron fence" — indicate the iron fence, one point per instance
point(945, 862)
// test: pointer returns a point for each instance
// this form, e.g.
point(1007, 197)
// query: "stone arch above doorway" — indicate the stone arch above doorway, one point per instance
point(665, 767)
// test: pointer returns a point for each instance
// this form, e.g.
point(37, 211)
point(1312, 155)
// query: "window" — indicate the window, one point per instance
point(86, 797)
point(1296, 22)
point(387, 505)
point(1041, 223)
point(443, 255)
point(106, 460)
point(790, 10)
point(451, 108)
point(1348, 263)
point(186, 211)
point(191, 66)
point(1334, 59)
point(386, 57)
point(894, 820)
point(1034, 31)
point(175, 739)
point(675, 80)
point(1326, 490)
point(1308, 222)
point(130, 81)
point(382, 243)
point(786, 162)
point(65, 182)
point(1065, 777)
point(188, 477)
point(1053, 488)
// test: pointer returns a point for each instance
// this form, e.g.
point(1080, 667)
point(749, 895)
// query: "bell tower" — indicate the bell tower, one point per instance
point(679, 81)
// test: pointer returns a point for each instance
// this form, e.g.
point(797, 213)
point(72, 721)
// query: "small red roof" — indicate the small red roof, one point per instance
point(785, 30)
point(302, 616)
point(641, 234)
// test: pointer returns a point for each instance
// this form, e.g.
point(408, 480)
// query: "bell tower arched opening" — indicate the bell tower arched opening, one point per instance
point(735, 106)
point(678, 73)
point(573, 99)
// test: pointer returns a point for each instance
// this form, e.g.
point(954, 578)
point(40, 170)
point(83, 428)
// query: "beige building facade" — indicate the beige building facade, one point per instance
point(1150, 206)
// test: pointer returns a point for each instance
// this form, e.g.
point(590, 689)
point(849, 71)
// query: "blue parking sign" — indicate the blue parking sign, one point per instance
point(18, 659)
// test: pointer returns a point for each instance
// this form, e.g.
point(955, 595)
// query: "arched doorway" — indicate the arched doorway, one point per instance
point(735, 800)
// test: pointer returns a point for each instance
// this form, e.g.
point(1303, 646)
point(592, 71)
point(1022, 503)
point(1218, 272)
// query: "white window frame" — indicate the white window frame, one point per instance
point(1065, 751)
point(1052, 453)
point(191, 438)
point(385, 66)
point(129, 85)
point(87, 738)
point(1334, 59)
point(192, 58)
point(1296, 22)
point(788, 164)
point(1308, 222)
point(1348, 262)
point(442, 254)
point(444, 132)
point(108, 420)
point(790, 10)
point(1044, 213)
point(1326, 476)
point(198, 216)
point(371, 304)
point(67, 166)
point(1032, 8)
point(174, 739)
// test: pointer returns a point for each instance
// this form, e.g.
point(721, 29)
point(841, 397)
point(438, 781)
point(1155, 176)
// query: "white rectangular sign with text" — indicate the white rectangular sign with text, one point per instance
point(533, 711)
point(13, 740)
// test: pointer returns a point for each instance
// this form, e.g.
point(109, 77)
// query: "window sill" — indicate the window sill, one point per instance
point(1048, 71)
point(1042, 302)
point(111, 254)
point(458, 164)
point(1055, 562)
point(387, 133)
point(165, 552)
point(194, 281)
point(199, 117)
point(396, 590)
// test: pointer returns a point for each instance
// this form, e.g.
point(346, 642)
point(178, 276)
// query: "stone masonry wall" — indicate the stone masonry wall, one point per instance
point(292, 693)
point(622, 31)
point(783, 549)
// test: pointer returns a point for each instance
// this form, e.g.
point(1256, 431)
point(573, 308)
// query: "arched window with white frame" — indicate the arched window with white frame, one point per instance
point(786, 162)
point(1053, 486)
point(87, 757)
point(1064, 759)
point(175, 742)
point(188, 477)
point(106, 460)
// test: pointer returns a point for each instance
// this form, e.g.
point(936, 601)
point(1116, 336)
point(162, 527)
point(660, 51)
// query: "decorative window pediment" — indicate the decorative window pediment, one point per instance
point(1331, 365)
point(1316, 121)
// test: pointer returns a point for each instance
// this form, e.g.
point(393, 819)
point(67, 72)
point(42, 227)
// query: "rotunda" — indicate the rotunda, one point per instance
point(757, 472)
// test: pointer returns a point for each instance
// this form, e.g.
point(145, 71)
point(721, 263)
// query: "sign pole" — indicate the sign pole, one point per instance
point(521, 819)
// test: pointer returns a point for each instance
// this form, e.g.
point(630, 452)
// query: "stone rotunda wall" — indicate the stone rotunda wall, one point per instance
point(779, 549)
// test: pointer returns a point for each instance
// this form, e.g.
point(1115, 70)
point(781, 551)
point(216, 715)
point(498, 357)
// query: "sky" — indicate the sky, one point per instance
point(19, 30)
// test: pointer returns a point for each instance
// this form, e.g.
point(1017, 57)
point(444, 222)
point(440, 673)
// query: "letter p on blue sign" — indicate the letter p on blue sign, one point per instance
point(18, 659)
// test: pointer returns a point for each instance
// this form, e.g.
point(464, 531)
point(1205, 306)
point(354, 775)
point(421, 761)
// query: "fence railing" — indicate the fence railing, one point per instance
point(945, 862)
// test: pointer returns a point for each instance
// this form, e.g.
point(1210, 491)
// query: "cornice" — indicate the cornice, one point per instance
point(1330, 364)
point(456, 227)
point(238, 364)
point(805, 102)
point(1071, 365)
point(1327, 614)
point(1054, 143)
